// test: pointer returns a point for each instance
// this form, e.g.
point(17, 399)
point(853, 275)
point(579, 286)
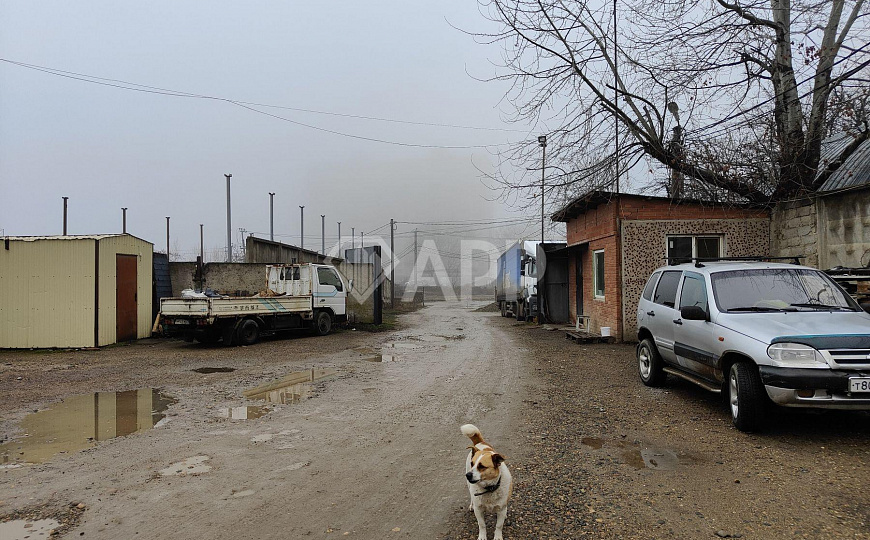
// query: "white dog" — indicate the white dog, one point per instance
point(489, 481)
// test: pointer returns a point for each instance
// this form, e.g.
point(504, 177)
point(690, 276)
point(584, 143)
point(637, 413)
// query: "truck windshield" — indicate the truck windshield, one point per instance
point(778, 289)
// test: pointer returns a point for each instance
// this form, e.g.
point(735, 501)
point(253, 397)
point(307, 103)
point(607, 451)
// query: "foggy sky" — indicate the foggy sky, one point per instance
point(160, 156)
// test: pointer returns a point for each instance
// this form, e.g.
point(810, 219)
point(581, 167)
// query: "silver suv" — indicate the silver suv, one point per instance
point(757, 331)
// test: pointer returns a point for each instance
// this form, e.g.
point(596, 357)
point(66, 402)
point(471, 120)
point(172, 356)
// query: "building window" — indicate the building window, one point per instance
point(682, 249)
point(598, 273)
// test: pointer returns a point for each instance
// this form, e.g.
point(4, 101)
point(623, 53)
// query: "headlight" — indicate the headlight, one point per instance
point(795, 354)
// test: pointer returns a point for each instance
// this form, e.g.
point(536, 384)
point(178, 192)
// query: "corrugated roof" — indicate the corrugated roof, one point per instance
point(854, 172)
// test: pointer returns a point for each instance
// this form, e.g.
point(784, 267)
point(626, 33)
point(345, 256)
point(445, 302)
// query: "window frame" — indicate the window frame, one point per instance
point(694, 237)
point(677, 289)
point(595, 283)
point(339, 287)
point(700, 277)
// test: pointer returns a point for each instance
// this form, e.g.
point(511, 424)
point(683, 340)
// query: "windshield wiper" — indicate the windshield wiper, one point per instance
point(822, 306)
point(759, 308)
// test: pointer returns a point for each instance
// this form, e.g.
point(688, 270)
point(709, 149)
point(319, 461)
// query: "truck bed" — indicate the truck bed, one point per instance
point(232, 307)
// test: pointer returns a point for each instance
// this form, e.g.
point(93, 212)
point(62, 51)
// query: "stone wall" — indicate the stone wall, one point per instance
point(644, 248)
point(844, 220)
point(794, 231)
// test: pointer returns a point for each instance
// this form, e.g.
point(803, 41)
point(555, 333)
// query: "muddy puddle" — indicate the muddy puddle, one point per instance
point(652, 458)
point(402, 350)
point(592, 442)
point(20, 529)
point(207, 370)
point(80, 421)
point(243, 413)
point(292, 388)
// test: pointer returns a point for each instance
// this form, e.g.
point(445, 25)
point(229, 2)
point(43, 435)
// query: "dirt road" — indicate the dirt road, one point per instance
point(375, 453)
point(604, 456)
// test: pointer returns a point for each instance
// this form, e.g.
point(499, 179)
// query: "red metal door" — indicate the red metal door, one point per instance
point(125, 297)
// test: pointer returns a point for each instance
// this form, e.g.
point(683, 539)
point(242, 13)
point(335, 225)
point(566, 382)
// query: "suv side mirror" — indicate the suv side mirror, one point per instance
point(693, 313)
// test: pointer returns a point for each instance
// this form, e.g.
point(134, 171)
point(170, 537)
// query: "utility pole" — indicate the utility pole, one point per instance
point(415, 259)
point(271, 216)
point(542, 141)
point(323, 234)
point(615, 96)
point(65, 199)
point(301, 227)
point(167, 238)
point(124, 220)
point(339, 240)
point(201, 245)
point(353, 238)
point(229, 223)
point(392, 266)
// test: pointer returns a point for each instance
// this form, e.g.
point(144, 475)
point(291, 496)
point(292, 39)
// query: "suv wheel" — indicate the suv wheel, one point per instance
point(746, 396)
point(649, 364)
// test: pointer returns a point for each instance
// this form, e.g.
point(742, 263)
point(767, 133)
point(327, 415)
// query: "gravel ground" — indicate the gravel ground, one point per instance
point(604, 456)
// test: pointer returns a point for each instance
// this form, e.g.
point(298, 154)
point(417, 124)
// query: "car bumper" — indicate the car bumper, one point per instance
point(790, 387)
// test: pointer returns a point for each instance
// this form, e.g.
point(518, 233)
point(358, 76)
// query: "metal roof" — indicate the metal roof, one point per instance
point(67, 237)
point(854, 172)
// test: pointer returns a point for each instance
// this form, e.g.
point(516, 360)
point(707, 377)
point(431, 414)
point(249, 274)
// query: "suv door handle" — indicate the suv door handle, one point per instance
point(651, 313)
point(678, 321)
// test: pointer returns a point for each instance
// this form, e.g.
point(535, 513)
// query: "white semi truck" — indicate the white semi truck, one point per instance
point(298, 296)
point(516, 284)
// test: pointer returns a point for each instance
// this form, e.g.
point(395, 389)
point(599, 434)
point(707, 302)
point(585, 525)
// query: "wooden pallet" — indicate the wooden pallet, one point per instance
point(586, 337)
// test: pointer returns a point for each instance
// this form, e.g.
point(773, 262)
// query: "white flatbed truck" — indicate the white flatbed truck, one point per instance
point(300, 296)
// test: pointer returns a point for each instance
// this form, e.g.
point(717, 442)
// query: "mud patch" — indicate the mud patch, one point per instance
point(80, 421)
point(207, 370)
point(592, 442)
point(188, 467)
point(652, 458)
point(19, 529)
point(292, 388)
point(250, 412)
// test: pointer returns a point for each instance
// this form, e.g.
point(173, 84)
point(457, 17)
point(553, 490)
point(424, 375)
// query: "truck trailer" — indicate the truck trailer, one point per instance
point(297, 296)
point(516, 282)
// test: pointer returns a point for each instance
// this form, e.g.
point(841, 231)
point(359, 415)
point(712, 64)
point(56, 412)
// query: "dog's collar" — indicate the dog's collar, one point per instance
point(489, 489)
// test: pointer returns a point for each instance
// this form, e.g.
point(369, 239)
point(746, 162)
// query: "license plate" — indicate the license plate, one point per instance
point(185, 321)
point(859, 384)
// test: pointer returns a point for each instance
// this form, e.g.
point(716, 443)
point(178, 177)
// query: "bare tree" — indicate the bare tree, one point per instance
point(753, 81)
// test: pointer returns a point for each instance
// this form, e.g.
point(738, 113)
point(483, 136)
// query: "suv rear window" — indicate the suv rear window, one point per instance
point(650, 286)
point(666, 292)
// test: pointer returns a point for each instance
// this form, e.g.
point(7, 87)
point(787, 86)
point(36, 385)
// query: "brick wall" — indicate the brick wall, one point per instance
point(633, 232)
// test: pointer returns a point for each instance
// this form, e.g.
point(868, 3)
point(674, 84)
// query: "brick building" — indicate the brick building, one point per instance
point(615, 241)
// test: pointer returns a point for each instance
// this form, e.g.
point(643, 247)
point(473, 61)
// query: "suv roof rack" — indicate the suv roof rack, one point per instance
point(699, 260)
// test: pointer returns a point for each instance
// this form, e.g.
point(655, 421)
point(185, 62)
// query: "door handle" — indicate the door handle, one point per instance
point(651, 313)
point(678, 321)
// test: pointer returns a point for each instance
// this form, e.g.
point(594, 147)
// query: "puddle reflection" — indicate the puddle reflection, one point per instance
point(243, 413)
point(79, 421)
point(292, 388)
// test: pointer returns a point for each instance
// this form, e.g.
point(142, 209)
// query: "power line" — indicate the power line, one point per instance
point(251, 106)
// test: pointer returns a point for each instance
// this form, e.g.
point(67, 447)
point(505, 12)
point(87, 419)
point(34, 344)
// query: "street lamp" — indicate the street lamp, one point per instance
point(542, 141)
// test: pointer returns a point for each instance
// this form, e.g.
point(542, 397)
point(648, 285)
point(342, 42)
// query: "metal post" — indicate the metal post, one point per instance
point(302, 227)
point(415, 259)
point(323, 234)
point(542, 140)
point(353, 238)
point(201, 245)
point(339, 239)
point(167, 238)
point(65, 199)
point(124, 220)
point(229, 223)
point(392, 267)
point(271, 216)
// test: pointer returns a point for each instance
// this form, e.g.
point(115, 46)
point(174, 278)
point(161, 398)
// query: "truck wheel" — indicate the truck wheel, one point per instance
point(746, 396)
point(322, 323)
point(249, 332)
point(228, 334)
point(650, 364)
